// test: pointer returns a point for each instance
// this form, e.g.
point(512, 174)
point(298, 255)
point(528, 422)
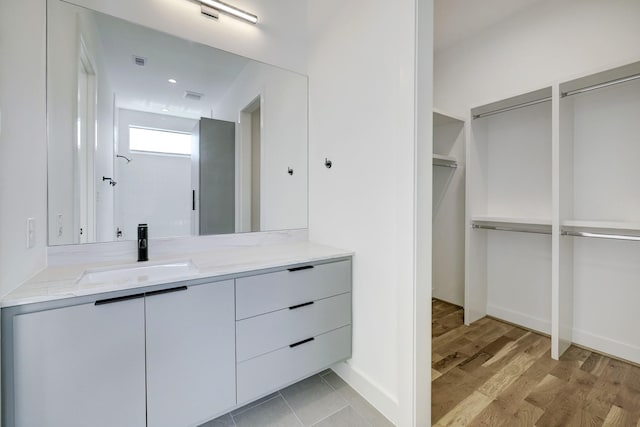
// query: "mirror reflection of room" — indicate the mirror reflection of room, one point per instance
point(148, 128)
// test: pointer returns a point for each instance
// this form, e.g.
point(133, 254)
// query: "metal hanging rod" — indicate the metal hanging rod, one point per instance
point(601, 85)
point(601, 235)
point(444, 161)
point(514, 229)
point(513, 107)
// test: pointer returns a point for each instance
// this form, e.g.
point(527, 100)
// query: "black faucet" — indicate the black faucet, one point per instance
point(143, 243)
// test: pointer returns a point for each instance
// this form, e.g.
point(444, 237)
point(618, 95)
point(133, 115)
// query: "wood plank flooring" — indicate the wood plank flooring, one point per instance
point(495, 374)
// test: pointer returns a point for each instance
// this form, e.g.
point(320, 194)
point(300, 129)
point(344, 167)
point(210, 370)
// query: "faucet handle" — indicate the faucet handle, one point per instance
point(143, 244)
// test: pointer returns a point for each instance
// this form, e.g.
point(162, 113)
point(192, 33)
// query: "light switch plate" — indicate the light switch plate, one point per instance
point(31, 233)
point(60, 225)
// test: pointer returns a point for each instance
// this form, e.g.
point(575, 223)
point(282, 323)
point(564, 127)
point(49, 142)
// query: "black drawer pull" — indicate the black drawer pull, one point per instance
point(293, 307)
point(302, 342)
point(306, 267)
point(118, 299)
point(166, 291)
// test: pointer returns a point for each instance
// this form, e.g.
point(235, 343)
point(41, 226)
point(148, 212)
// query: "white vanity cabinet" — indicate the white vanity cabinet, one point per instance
point(155, 359)
point(173, 355)
point(291, 324)
point(80, 366)
point(190, 336)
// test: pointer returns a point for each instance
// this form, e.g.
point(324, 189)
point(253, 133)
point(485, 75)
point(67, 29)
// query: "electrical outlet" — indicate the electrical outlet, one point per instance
point(31, 233)
point(60, 225)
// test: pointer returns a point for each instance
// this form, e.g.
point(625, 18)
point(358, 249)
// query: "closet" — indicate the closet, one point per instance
point(598, 280)
point(509, 210)
point(448, 208)
point(553, 212)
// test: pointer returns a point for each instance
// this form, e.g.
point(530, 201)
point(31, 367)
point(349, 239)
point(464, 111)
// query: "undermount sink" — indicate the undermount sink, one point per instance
point(138, 273)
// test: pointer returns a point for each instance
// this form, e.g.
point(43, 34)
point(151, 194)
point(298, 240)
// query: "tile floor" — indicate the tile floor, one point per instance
point(323, 400)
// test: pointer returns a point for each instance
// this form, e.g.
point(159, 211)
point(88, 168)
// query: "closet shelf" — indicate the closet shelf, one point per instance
point(604, 79)
point(602, 225)
point(445, 161)
point(522, 225)
point(617, 230)
point(513, 103)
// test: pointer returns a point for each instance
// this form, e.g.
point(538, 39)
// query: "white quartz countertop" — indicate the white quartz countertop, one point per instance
point(55, 283)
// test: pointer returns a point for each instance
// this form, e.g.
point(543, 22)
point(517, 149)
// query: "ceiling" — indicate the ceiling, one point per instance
point(456, 20)
point(197, 68)
point(209, 71)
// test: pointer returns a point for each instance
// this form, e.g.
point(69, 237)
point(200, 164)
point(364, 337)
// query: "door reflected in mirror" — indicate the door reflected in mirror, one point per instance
point(145, 127)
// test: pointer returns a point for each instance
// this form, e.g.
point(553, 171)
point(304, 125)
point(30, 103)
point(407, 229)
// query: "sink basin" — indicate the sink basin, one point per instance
point(138, 273)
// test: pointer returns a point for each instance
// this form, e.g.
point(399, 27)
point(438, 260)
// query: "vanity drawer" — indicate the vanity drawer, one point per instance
point(262, 334)
point(274, 291)
point(271, 371)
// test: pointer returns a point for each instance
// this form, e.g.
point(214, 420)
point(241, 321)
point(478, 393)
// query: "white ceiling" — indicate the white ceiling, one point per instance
point(196, 68)
point(456, 20)
point(210, 71)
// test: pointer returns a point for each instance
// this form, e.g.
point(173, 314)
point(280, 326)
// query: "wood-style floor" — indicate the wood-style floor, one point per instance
point(495, 374)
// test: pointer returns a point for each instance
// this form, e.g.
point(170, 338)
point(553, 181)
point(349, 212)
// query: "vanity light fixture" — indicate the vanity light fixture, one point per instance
point(210, 7)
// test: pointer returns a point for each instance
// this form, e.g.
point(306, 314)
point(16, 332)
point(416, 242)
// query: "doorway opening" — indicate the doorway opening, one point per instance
point(249, 171)
point(84, 151)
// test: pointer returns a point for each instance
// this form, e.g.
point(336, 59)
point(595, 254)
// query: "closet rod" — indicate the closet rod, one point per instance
point(601, 85)
point(600, 235)
point(515, 229)
point(513, 107)
point(442, 165)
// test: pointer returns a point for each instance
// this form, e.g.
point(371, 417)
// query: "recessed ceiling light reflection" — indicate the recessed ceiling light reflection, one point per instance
point(173, 81)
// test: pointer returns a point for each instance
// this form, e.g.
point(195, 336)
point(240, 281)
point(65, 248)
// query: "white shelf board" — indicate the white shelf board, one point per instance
point(498, 220)
point(511, 103)
point(602, 226)
point(448, 161)
point(529, 225)
point(442, 118)
point(601, 78)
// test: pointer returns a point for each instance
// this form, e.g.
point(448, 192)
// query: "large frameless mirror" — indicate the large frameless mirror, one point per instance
point(145, 127)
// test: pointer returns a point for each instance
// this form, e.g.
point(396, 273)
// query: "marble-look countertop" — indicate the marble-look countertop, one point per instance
point(55, 283)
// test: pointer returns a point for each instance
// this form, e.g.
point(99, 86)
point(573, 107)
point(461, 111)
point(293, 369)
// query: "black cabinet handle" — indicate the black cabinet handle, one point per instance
point(118, 299)
point(293, 307)
point(166, 291)
point(301, 342)
point(193, 200)
point(306, 267)
point(136, 296)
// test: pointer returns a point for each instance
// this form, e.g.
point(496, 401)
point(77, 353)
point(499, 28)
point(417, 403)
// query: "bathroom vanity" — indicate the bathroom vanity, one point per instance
point(121, 345)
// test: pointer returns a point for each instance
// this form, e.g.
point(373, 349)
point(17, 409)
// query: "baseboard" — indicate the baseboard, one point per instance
point(447, 298)
point(607, 345)
point(530, 322)
point(373, 393)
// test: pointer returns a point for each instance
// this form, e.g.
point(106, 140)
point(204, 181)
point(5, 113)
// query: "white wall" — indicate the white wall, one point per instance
point(153, 189)
point(278, 38)
point(23, 162)
point(554, 40)
point(362, 78)
point(283, 197)
point(448, 214)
